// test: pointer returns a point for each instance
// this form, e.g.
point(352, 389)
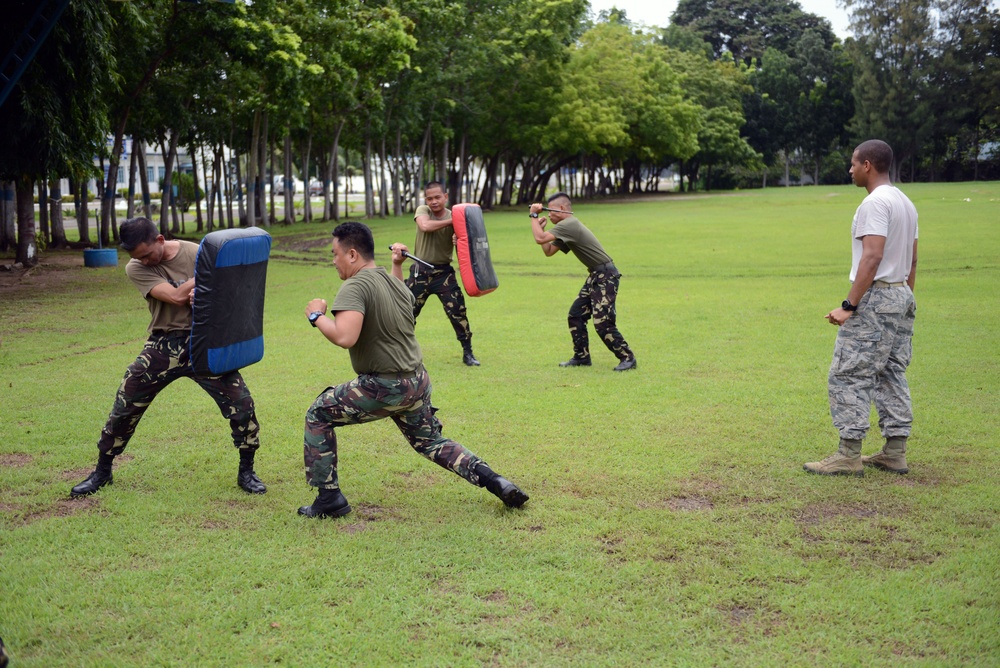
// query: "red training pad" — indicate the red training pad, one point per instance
point(474, 262)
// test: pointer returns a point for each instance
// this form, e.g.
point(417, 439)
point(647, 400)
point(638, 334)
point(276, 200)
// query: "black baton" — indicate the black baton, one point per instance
point(415, 259)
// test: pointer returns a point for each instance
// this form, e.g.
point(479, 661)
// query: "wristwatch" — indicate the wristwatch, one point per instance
point(848, 306)
point(532, 215)
point(314, 316)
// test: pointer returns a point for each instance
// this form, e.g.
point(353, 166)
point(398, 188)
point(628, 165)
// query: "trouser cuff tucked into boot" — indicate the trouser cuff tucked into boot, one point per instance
point(892, 458)
point(246, 478)
point(328, 503)
point(99, 478)
point(500, 487)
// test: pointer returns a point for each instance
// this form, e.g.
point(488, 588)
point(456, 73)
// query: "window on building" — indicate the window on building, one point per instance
point(149, 174)
point(121, 175)
point(163, 173)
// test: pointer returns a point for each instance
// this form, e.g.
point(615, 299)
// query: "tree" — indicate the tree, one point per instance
point(55, 120)
point(744, 29)
point(892, 56)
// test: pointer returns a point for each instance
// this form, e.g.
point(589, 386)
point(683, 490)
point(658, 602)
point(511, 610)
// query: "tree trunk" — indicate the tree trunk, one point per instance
point(140, 151)
point(176, 226)
point(27, 245)
point(130, 204)
point(82, 213)
point(267, 167)
point(334, 176)
point(397, 175)
point(383, 190)
point(43, 212)
point(193, 152)
point(418, 177)
point(166, 195)
point(306, 157)
point(8, 216)
point(366, 169)
point(55, 205)
point(110, 186)
point(289, 183)
point(252, 157)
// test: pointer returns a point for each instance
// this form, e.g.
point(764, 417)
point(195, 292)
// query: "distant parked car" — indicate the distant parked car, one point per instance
point(279, 185)
point(315, 188)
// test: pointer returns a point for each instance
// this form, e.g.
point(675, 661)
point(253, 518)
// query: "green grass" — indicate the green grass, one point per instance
point(670, 521)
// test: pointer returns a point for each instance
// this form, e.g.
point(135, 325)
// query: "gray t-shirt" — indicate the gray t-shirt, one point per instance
point(572, 235)
point(387, 343)
point(165, 317)
point(886, 212)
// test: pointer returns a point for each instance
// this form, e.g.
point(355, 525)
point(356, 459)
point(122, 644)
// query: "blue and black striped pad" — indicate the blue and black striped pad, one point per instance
point(227, 329)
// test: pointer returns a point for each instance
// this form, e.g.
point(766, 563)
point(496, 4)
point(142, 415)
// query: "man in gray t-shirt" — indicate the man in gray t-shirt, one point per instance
point(599, 292)
point(373, 319)
point(875, 323)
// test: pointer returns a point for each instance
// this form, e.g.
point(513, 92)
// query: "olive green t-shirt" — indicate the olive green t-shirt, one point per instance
point(165, 317)
point(387, 343)
point(434, 247)
point(572, 235)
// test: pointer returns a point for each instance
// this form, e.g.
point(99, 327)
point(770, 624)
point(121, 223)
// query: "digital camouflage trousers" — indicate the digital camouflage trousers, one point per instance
point(406, 400)
point(597, 299)
point(163, 360)
point(443, 282)
point(870, 357)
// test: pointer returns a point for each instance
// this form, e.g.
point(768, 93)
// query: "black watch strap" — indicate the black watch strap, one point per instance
point(314, 316)
point(532, 215)
point(848, 306)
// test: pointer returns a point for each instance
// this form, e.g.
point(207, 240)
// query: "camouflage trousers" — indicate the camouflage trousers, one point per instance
point(872, 352)
point(163, 360)
point(443, 282)
point(405, 399)
point(597, 299)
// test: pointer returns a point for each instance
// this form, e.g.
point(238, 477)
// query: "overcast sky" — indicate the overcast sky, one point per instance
point(657, 12)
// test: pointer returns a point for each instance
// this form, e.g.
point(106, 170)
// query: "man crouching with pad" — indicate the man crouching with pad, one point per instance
point(373, 319)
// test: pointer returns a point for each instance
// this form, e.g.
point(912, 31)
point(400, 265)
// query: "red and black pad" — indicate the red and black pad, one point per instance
point(474, 261)
point(227, 328)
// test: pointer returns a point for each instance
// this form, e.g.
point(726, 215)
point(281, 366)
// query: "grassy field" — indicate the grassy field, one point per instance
point(670, 521)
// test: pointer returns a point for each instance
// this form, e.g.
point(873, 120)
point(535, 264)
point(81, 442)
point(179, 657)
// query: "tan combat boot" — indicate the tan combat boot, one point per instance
point(892, 458)
point(847, 461)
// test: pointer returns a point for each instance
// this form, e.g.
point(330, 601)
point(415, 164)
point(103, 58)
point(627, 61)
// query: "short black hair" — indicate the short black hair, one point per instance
point(877, 152)
point(136, 231)
point(558, 195)
point(435, 184)
point(351, 234)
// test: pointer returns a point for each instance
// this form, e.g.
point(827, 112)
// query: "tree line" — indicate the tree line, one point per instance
point(499, 99)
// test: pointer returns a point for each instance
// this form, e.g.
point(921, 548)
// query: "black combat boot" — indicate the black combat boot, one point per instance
point(246, 478)
point(329, 503)
point(468, 359)
point(96, 480)
point(500, 487)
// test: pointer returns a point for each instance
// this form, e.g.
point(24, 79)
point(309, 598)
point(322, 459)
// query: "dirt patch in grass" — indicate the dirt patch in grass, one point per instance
point(364, 514)
point(61, 508)
point(15, 460)
point(534, 528)
point(689, 503)
point(495, 596)
point(298, 243)
point(861, 535)
point(816, 513)
point(49, 275)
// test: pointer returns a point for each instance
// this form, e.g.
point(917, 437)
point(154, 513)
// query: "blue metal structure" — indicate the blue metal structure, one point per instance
point(28, 43)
